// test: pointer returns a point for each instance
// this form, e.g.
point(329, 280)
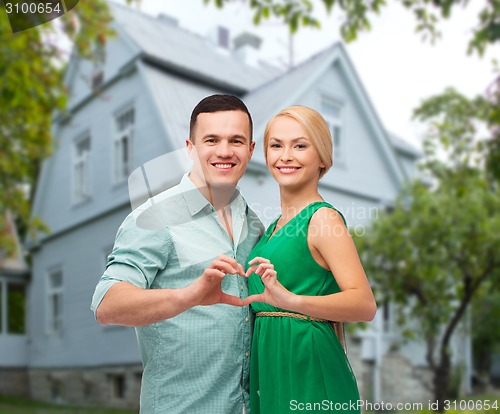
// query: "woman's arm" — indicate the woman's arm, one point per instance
point(332, 241)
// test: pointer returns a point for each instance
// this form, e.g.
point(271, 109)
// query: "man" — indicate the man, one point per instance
point(180, 252)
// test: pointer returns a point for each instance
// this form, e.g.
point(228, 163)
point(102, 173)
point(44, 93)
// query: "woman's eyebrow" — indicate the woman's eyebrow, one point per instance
point(293, 140)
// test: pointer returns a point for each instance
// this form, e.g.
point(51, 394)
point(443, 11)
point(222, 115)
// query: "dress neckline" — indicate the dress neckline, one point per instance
point(273, 234)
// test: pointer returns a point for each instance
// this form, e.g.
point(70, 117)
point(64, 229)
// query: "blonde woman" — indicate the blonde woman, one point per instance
point(304, 273)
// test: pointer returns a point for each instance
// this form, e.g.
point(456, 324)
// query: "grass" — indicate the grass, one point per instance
point(10, 405)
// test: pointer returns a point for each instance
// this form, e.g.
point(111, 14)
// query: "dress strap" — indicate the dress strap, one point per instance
point(317, 205)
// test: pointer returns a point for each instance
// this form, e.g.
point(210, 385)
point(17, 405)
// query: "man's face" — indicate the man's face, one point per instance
point(220, 148)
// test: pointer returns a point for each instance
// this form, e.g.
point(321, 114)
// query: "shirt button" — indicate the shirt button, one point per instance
point(246, 354)
point(246, 319)
point(241, 287)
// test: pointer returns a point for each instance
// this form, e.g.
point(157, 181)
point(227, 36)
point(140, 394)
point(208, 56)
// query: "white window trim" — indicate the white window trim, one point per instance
point(80, 196)
point(49, 292)
point(117, 165)
point(339, 151)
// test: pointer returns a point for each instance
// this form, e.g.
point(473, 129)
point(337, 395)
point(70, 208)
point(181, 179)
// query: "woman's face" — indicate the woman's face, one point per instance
point(291, 157)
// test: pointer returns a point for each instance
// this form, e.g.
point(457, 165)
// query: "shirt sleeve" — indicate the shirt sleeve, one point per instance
point(137, 257)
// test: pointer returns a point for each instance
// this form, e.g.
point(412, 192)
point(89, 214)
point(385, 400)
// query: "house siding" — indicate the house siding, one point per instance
point(80, 255)
point(97, 118)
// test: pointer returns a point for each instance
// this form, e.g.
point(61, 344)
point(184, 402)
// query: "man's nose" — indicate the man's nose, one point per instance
point(224, 150)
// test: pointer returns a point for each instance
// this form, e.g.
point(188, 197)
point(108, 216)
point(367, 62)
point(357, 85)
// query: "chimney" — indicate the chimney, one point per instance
point(246, 48)
point(218, 37)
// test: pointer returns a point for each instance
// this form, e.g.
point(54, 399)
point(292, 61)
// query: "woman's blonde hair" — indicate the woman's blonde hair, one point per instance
point(316, 128)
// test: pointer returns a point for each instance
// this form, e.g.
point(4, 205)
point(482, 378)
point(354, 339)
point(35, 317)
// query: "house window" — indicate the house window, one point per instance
point(56, 391)
point(16, 308)
point(124, 125)
point(81, 169)
point(54, 301)
point(117, 382)
point(332, 112)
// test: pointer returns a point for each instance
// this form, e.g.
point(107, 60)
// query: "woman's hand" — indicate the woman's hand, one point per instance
point(274, 293)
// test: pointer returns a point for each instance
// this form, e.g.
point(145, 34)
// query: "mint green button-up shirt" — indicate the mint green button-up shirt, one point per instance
point(198, 361)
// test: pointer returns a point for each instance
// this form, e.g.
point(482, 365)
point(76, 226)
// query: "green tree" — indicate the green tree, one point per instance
point(357, 15)
point(485, 333)
point(439, 246)
point(32, 68)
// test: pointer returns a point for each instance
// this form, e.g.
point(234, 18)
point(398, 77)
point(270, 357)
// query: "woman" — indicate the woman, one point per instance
point(305, 271)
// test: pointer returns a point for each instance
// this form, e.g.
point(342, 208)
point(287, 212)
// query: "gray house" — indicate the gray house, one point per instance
point(123, 140)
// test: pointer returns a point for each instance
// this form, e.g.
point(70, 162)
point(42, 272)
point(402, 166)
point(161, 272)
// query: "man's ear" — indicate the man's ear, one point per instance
point(252, 147)
point(190, 148)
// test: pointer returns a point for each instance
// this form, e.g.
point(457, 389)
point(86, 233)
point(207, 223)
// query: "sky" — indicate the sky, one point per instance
point(397, 68)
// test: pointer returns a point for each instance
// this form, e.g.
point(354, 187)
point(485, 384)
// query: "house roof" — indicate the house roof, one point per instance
point(163, 42)
point(404, 147)
point(288, 88)
point(175, 98)
point(282, 91)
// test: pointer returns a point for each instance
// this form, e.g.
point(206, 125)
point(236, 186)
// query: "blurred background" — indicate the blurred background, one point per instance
point(95, 113)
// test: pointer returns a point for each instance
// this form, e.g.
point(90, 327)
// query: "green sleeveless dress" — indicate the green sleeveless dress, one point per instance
point(297, 363)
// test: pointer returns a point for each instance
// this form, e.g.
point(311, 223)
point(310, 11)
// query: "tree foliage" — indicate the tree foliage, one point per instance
point(32, 68)
point(439, 245)
point(358, 14)
point(485, 331)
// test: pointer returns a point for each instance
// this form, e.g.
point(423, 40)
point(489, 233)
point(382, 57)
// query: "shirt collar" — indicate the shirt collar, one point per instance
point(195, 201)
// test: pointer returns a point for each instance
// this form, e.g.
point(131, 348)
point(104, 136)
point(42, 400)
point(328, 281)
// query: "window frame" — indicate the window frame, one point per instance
point(81, 195)
point(339, 144)
point(54, 324)
point(117, 153)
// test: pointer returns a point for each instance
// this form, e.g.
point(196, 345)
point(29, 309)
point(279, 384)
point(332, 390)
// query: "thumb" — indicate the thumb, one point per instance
point(254, 298)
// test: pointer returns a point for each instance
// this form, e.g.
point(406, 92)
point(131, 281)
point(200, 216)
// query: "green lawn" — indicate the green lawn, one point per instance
point(18, 406)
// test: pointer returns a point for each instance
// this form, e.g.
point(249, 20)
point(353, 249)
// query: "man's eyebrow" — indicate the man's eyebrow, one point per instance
point(236, 136)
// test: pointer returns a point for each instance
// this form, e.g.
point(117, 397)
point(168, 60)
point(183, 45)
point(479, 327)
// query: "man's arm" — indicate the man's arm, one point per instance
point(129, 305)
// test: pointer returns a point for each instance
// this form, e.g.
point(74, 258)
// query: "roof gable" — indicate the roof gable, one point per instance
point(286, 90)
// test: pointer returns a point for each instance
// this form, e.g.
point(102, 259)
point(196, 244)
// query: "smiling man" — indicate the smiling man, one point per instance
point(161, 278)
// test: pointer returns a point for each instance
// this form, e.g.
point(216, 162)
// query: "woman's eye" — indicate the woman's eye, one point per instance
point(300, 146)
point(275, 145)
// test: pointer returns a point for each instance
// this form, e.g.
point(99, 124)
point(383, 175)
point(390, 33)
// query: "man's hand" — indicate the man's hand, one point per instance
point(206, 290)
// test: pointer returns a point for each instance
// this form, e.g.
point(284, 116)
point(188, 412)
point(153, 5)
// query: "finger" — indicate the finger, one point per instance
point(254, 298)
point(231, 300)
point(258, 260)
point(223, 266)
point(241, 271)
point(263, 267)
point(250, 270)
point(268, 275)
point(214, 273)
point(229, 260)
